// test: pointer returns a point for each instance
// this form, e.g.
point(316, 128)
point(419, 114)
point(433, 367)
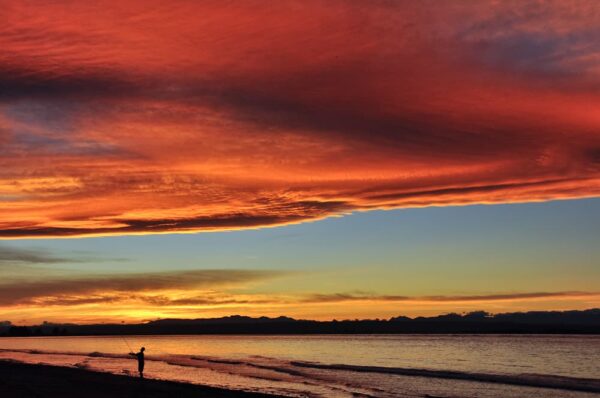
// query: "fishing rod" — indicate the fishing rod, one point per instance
point(131, 350)
point(128, 346)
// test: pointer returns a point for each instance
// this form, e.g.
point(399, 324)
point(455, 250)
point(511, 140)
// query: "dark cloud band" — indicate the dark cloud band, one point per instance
point(103, 288)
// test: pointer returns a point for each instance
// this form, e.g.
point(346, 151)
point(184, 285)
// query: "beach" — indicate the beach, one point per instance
point(20, 380)
point(338, 366)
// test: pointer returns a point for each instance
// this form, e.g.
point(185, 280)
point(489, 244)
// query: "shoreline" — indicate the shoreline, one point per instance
point(20, 380)
point(242, 334)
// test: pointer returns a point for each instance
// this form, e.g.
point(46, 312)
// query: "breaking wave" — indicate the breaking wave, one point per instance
point(343, 378)
point(530, 380)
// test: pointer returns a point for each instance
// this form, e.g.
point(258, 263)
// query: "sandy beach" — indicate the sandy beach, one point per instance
point(23, 380)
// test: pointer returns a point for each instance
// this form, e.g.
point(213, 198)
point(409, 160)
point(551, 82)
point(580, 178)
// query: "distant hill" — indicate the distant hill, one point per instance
point(557, 322)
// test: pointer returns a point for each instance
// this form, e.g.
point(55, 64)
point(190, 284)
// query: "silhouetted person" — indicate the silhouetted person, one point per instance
point(140, 358)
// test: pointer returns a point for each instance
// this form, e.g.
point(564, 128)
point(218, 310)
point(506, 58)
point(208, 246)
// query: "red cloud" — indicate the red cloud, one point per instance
point(149, 118)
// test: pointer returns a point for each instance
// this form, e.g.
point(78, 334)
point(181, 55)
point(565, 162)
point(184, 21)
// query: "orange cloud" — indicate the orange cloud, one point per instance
point(130, 297)
point(513, 297)
point(114, 287)
point(214, 293)
point(151, 118)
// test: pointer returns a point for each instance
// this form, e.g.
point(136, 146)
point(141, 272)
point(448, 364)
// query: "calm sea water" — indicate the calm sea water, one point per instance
point(343, 366)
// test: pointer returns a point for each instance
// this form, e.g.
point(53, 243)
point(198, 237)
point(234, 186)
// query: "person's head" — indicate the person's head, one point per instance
point(143, 349)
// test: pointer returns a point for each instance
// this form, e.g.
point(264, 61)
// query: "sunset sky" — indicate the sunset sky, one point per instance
point(317, 159)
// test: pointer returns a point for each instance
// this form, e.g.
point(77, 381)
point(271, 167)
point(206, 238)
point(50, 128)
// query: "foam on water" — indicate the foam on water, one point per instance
point(310, 379)
point(483, 366)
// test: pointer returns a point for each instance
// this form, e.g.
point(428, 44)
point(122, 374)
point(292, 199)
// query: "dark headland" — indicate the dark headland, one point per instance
point(19, 380)
point(535, 322)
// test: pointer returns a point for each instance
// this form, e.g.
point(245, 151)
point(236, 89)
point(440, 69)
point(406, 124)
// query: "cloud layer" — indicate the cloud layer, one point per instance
point(149, 117)
point(200, 293)
point(119, 287)
point(342, 297)
point(17, 256)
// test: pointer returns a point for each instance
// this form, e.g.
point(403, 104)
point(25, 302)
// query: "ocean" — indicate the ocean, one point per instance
point(486, 366)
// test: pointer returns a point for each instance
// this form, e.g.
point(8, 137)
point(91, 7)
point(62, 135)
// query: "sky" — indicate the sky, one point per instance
point(316, 159)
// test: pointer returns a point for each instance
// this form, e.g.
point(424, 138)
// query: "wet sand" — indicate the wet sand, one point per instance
point(19, 380)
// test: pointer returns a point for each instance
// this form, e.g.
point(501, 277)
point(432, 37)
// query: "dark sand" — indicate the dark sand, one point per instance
point(23, 381)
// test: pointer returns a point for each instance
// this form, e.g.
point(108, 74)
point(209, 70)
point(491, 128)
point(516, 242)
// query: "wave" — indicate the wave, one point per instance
point(300, 369)
point(71, 353)
point(528, 379)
